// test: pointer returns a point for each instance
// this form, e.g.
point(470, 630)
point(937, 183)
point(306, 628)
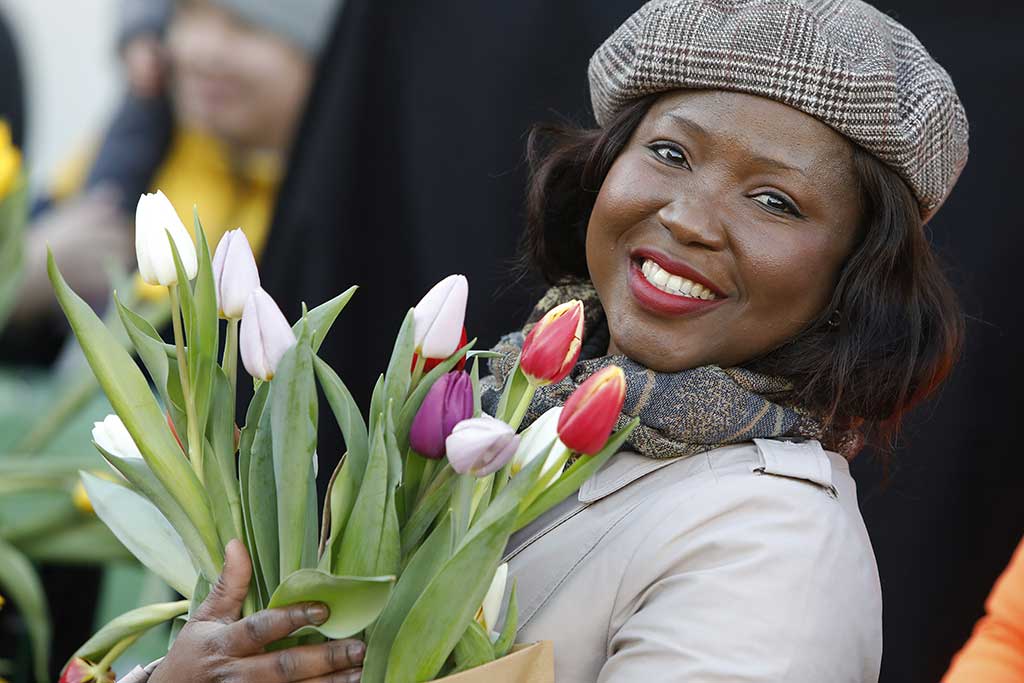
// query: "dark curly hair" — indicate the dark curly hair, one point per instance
point(899, 328)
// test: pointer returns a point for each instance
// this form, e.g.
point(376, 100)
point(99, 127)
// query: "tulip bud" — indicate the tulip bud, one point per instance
point(553, 345)
point(534, 440)
point(155, 217)
point(481, 445)
point(112, 436)
point(449, 402)
point(265, 335)
point(79, 670)
point(431, 363)
point(10, 161)
point(80, 499)
point(592, 411)
point(439, 317)
point(487, 615)
point(234, 274)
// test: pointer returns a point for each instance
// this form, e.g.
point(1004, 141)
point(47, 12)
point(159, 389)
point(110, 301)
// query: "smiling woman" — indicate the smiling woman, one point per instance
point(746, 230)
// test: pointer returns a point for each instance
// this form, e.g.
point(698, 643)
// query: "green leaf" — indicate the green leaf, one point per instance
point(321, 318)
point(131, 623)
point(422, 568)
point(148, 345)
point(354, 602)
point(142, 478)
point(221, 435)
point(87, 542)
point(13, 214)
point(349, 419)
point(204, 328)
point(341, 496)
point(143, 530)
point(573, 478)
point(245, 442)
point(358, 554)
point(133, 401)
point(442, 612)
point(20, 583)
point(263, 503)
point(507, 636)
point(515, 385)
point(415, 400)
point(474, 648)
point(293, 411)
point(399, 374)
point(425, 514)
point(216, 486)
point(474, 378)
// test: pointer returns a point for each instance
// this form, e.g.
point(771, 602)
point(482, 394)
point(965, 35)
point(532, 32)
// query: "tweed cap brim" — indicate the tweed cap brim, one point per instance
point(840, 61)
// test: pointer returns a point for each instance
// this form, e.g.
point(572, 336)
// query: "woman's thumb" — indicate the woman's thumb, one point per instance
point(224, 603)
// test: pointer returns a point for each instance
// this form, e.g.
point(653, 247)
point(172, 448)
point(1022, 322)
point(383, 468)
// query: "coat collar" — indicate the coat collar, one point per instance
point(620, 471)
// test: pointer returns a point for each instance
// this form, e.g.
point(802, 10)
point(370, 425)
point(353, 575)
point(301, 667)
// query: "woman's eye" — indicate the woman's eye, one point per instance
point(670, 153)
point(777, 203)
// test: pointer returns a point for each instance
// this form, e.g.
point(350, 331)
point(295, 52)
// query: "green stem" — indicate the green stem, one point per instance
point(230, 360)
point(522, 406)
point(195, 446)
point(462, 501)
point(117, 651)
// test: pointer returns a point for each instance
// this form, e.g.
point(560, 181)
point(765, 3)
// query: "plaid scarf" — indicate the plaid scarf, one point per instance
point(681, 413)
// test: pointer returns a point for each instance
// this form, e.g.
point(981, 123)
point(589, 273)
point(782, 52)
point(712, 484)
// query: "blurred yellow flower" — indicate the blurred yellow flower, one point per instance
point(10, 160)
point(1, 602)
point(81, 499)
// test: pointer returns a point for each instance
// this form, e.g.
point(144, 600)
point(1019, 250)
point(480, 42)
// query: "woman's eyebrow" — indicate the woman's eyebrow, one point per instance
point(759, 160)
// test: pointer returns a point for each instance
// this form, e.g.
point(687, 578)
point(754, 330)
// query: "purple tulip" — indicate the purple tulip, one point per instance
point(448, 402)
point(265, 335)
point(481, 445)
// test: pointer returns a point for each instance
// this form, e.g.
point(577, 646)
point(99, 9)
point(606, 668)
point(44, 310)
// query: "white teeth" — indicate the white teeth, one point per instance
point(674, 284)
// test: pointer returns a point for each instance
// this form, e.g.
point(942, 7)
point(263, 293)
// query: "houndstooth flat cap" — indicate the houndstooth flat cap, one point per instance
point(841, 61)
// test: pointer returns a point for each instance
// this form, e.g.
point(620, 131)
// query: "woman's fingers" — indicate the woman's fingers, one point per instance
point(224, 603)
point(250, 635)
point(337, 660)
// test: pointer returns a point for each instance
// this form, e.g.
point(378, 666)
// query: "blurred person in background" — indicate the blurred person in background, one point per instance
point(217, 90)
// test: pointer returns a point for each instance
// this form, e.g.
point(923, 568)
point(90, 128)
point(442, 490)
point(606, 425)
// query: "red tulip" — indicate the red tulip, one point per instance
point(591, 412)
point(553, 345)
point(431, 363)
point(80, 671)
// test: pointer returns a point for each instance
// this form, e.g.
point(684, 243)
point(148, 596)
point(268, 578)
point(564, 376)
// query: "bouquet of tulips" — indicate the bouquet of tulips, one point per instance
point(408, 552)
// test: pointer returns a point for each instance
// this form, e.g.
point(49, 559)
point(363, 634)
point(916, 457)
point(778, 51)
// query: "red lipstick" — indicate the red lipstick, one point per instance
point(663, 303)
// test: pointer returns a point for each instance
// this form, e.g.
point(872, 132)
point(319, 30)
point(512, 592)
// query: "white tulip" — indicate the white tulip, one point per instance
point(535, 438)
point(235, 275)
point(487, 615)
point(439, 317)
point(265, 335)
point(155, 217)
point(112, 436)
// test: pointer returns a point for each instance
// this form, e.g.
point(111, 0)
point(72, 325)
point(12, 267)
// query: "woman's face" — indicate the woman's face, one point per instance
point(237, 81)
point(720, 230)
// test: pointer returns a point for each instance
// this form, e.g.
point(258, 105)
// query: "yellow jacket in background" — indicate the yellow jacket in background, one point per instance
point(197, 171)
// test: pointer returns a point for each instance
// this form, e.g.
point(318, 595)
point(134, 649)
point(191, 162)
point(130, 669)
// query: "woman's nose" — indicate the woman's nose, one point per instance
point(694, 222)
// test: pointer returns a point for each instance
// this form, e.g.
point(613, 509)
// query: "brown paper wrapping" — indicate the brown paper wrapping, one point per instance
point(526, 664)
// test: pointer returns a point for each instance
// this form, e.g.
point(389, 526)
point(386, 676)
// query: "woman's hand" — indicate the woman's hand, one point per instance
point(216, 646)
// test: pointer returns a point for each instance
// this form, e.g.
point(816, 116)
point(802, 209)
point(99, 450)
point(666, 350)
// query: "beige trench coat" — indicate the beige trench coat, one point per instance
point(746, 563)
